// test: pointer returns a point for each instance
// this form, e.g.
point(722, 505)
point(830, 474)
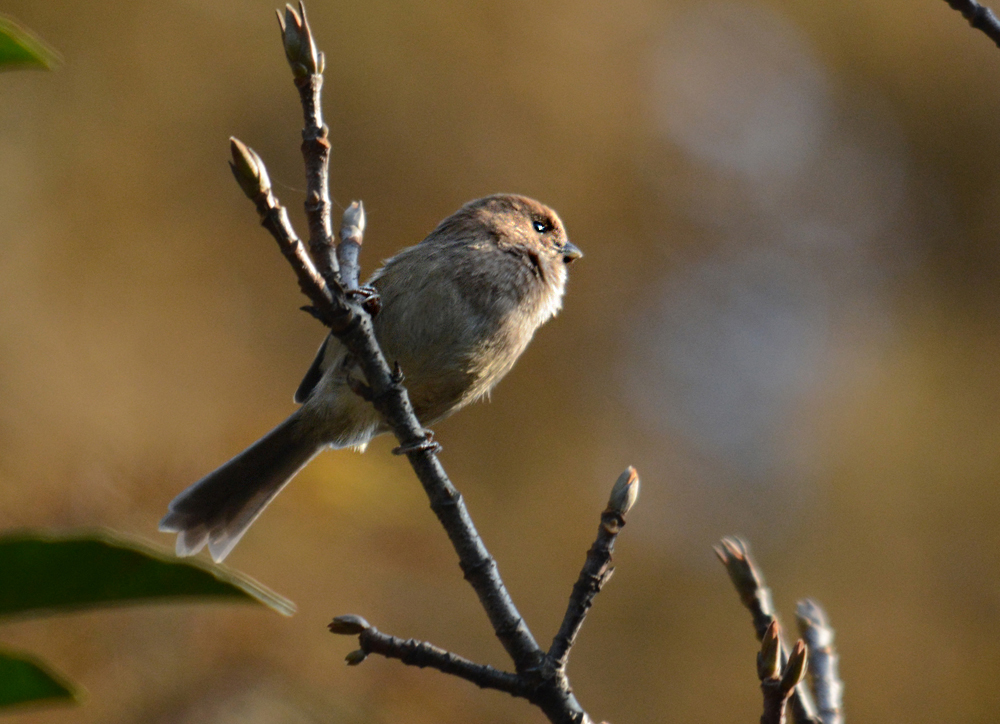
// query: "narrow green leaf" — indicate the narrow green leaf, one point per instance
point(42, 572)
point(19, 47)
point(25, 679)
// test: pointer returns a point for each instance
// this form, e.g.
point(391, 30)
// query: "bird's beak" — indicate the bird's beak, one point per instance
point(570, 252)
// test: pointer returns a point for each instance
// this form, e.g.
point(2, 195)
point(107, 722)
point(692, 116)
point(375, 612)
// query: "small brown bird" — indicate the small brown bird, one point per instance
point(458, 309)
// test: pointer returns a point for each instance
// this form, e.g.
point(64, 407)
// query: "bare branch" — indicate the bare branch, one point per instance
point(597, 568)
point(423, 655)
point(539, 678)
point(979, 17)
point(749, 583)
point(823, 661)
point(352, 325)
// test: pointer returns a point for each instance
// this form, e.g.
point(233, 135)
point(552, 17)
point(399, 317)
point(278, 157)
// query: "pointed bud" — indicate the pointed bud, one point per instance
point(767, 659)
point(353, 220)
point(300, 48)
point(355, 657)
point(350, 625)
point(795, 669)
point(352, 228)
point(248, 168)
point(311, 54)
point(625, 492)
point(290, 35)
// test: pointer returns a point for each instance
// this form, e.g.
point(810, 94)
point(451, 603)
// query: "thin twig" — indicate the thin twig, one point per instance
point(979, 17)
point(424, 655)
point(749, 583)
point(352, 235)
point(823, 661)
point(251, 174)
point(597, 568)
point(307, 63)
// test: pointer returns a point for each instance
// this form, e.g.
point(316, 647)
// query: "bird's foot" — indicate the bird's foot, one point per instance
point(427, 444)
point(368, 298)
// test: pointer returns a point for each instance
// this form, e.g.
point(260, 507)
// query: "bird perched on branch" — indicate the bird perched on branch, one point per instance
point(457, 310)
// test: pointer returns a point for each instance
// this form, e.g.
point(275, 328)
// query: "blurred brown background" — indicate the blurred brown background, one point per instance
point(787, 319)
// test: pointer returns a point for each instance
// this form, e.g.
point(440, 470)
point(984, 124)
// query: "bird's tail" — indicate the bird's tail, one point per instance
point(219, 508)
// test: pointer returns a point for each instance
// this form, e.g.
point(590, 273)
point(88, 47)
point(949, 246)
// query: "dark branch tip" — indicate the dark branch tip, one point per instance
point(735, 547)
point(349, 625)
point(735, 556)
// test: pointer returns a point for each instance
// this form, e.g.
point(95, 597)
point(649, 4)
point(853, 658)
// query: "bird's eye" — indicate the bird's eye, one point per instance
point(542, 226)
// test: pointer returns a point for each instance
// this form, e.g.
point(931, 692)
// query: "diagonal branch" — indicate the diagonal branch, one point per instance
point(335, 302)
point(424, 655)
point(353, 327)
point(823, 661)
point(979, 17)
point(749, 583)
point(597, 568)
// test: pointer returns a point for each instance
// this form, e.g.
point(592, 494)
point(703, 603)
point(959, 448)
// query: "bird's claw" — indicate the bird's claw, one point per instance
point(369, 299)
point(427, 444)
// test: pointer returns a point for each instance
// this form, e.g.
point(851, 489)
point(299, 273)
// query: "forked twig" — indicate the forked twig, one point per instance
point(778, 682)
point(749, 583)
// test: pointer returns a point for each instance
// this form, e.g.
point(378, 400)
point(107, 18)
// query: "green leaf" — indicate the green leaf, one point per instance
point(19, 47)
point(24, 679)
point(42, 572)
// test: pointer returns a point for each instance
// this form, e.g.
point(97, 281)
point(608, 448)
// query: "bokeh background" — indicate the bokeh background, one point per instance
point(787, 319)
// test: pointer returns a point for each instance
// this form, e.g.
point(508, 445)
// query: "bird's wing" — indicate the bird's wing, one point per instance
point(316, 370)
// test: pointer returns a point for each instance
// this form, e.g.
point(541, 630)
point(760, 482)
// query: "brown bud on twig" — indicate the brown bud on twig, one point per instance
point(768, 658)
point(349, 625)
point(625, 492)
point(249, 169)
point(300, 47)
point(795, 669)
point(355, 657)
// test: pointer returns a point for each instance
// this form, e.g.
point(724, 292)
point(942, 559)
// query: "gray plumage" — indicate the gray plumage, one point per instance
point(458, 309)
